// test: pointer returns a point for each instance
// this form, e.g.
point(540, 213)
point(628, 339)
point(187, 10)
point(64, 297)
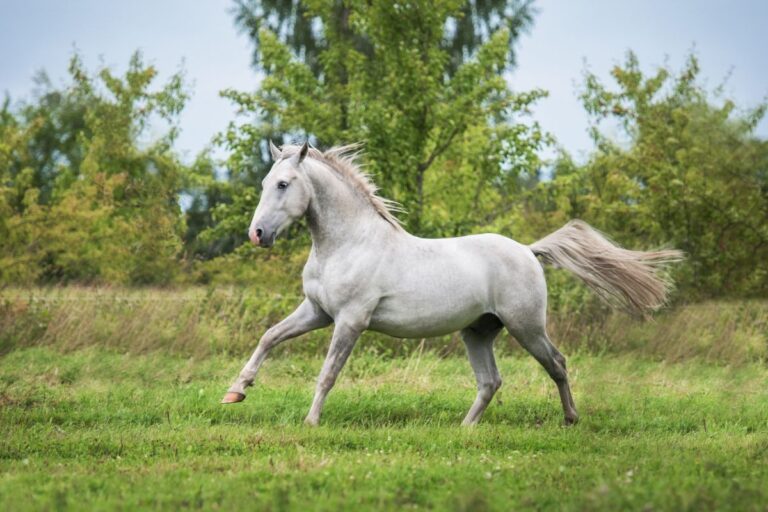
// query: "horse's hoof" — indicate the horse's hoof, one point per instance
point(232, 398)
point(571, 420)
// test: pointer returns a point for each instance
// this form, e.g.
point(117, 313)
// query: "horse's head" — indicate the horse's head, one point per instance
point(285, 194)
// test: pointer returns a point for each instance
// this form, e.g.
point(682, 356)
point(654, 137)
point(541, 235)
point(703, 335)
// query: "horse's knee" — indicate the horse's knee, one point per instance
point(486, 390)
point(325, 383)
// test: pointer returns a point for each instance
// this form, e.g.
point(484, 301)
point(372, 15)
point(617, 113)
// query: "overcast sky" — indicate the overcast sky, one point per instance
point(730, 37)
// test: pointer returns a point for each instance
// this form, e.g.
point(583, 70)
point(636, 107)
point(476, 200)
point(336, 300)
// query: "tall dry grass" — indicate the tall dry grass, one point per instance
point(731, 332)
point(201, 321)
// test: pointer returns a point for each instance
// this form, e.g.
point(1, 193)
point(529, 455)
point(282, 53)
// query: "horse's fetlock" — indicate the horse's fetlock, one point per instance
point(244, 380)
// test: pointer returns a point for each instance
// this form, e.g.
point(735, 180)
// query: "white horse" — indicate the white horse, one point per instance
point(366, 272)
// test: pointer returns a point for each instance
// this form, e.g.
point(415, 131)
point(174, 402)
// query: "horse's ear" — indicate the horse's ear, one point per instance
point(274, 150)
point(303, 151)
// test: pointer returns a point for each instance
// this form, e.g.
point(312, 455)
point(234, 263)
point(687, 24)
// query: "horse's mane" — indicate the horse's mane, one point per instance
point(344, 161)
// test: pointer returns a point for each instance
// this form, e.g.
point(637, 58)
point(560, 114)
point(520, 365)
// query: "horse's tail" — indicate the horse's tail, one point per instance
point(629, 279)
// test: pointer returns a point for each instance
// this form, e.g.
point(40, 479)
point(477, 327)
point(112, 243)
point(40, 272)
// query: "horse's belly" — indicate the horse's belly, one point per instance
point(398, 330)
point(409, 319)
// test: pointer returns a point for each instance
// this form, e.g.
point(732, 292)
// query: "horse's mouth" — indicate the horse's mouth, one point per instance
point(268, 241)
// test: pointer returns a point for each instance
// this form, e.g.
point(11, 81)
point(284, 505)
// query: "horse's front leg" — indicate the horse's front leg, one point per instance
point(345, 336)
point(307, 317)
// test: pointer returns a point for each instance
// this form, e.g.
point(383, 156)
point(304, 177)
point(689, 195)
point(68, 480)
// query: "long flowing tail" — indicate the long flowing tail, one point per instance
point(624, 278)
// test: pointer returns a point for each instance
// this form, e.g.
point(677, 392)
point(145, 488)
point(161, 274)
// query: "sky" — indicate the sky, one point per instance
point(729, 38)
point(568, 35)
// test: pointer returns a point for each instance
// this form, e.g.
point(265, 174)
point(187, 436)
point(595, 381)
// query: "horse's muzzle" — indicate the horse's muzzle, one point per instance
point(260, 238)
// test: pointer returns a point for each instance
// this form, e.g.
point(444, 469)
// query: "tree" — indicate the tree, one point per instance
point(386, 76)
point(691, 173)
point(296, 26)
point(83, 198)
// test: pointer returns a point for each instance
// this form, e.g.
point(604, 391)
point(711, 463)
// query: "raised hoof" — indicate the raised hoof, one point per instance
point(232, 398)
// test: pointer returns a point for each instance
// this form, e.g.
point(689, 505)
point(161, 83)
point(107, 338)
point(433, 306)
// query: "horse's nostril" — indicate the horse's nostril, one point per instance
point(259, 233)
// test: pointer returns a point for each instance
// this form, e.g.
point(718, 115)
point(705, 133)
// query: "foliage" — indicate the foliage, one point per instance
point(87, 197)
point(295, 25)
point(690, 173)
point(441, 132)
point(97, 429)
point(321, 35)
point(84, 196)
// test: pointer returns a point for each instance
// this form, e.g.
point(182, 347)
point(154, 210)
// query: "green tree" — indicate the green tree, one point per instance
point(297, 26)
point(689, 172)
point(84, 197)
point(387, 77)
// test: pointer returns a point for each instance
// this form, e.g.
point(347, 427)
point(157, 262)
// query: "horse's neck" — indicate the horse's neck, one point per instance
point(338, 216)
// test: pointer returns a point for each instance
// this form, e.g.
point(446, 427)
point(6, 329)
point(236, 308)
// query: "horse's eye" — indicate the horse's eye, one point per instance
point(282, 185)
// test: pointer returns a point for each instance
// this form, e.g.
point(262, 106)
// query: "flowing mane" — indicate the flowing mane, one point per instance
point(344, 161)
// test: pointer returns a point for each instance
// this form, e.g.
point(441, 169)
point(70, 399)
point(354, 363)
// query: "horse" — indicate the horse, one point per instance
point(366, 272)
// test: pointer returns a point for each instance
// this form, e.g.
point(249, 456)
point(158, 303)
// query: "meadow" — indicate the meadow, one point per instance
point(89, 424)
point(130, 295)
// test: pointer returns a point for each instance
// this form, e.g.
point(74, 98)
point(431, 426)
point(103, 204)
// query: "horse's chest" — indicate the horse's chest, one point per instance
point(317, 293)
point(332, 288)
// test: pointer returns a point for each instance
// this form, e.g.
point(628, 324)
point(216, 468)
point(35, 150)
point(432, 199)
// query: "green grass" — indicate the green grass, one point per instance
point(91, 428)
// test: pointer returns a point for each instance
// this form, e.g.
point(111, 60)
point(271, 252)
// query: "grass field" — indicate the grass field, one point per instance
point(92, 428)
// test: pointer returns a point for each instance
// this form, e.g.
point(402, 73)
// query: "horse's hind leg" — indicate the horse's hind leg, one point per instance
point(478, 338)
point(537, 343)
